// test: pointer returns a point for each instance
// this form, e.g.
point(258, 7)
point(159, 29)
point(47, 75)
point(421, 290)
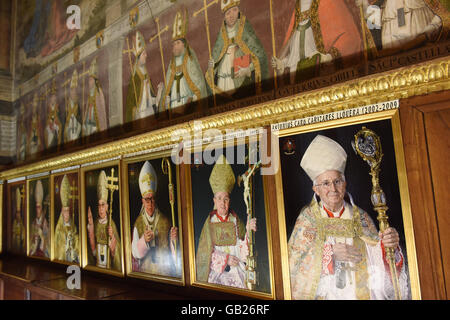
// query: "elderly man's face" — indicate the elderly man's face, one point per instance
point(222, 202)
point(102, 209)
point(38, 209)
point(65, 211)
point(332, 195)
point(231, 16)
point(149, 203)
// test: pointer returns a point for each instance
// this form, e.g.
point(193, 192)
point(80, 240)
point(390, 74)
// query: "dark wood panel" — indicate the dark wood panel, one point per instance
point(437, 130)
point(420, 184)
point(42, 294)
point(13, 289)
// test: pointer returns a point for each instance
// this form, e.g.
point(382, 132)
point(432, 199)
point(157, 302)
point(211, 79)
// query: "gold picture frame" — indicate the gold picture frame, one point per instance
point(193, 223)
point(73, 196)
point(176, 276)
point(108, 165)
point(392, 116)
point(40, 246)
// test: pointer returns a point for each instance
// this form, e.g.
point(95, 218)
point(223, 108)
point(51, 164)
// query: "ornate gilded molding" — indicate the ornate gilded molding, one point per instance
point(397, 84)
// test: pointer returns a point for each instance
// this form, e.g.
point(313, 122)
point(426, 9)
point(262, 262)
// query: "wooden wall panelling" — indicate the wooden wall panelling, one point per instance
point(437, 133)
point(420, 183)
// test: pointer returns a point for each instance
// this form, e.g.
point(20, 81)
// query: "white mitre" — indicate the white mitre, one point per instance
point(148, 182)
point(323, 154)
point(39, 192)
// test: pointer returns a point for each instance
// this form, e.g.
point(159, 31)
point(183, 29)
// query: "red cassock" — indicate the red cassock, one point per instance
point(336, 26)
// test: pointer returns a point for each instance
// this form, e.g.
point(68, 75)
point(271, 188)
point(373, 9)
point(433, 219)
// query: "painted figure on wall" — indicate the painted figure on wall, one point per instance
point(322, 34)
point(185, 79)
point(21, 134)
point(348, 261)
point(103, 235)
point(239, 62)
point(223, 246)
point(66, 234)
point(142, 101)
point(18, 228)
point(95, 118)
point(53, 128)
point(35, 136)
point(39, 231)
point(153, 238)
point(404, 24)
point(72, 129)
point(48, 32)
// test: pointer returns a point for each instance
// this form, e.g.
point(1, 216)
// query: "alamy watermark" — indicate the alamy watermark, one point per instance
point(73, 22)
point(250, 146)
point(74, 280)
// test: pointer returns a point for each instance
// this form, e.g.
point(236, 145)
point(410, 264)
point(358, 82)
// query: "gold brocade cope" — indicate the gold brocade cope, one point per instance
point(223, 233)
point(206, 244)
point(101, 233)
point(344, 228)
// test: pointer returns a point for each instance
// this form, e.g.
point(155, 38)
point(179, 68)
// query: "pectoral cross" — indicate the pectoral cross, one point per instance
point(205, 11)
point(158, 35)
point(73, 195)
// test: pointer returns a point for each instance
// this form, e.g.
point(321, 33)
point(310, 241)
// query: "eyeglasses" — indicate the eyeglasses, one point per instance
point(327, 184)
point(148, 199)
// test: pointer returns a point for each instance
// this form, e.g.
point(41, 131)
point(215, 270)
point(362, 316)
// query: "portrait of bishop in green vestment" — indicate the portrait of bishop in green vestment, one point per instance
point(239, 61)
point(185, 80)
point(231, 247)
point(103, 223)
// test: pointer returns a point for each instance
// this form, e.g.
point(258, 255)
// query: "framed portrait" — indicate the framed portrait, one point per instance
point(342, 184)
point(65, 221)
point(16, 228)
point(229, 230)
point(152, 212)
point(38, 217)
point(102, 233)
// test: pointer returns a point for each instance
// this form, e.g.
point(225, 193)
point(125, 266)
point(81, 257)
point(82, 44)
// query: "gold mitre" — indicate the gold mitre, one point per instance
point(139, 46)
point(74, 80)
point(222, 176)
point(148, 182)
point(18, 199)
point(180, 25)
point(65, 192)
point(227, 4)
point(93, 69)
point(102, 190)
point(323, 154)
point(39, 192)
